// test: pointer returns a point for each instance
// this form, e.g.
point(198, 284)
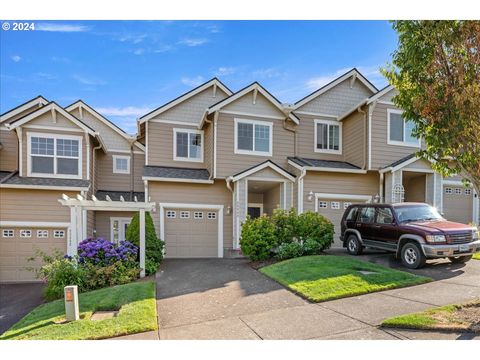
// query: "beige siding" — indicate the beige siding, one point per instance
point(271, 200)
point(9, 151)
point(229, 163)
point(337, 100)
point(256, 198)
point(107, 180)
point(216, 194)
point(415, 189)
point(33, 205)
point(355, 139)
point(102, 221)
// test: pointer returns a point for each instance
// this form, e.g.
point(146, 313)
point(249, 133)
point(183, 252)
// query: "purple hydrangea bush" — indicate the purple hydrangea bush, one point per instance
point(102, 252)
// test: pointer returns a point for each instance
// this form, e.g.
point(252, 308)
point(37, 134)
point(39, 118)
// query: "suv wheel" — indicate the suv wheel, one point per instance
point(353, 245)
point(412, 256)
point(460, 259)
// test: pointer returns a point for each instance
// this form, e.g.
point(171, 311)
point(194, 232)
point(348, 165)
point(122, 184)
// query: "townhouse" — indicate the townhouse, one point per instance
point(207, 159)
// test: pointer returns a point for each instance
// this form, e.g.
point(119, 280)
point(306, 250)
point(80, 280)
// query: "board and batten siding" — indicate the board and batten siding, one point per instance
point(214, 194)
point(338, 183)
point(106, 179)
point(9, 150)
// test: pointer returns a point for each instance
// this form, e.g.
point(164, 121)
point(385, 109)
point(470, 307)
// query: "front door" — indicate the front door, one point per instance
point(118, 229)
point(254, 211)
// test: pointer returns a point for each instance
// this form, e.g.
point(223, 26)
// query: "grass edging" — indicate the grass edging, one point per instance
point(137, 313)
point(476, 256)
point(328, 277)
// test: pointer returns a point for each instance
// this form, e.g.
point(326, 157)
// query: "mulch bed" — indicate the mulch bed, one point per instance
point(261, 263)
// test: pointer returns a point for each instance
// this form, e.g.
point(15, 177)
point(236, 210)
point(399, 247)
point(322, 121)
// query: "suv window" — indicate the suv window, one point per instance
point(352, 214)
point(367, 215)
point(384, 216)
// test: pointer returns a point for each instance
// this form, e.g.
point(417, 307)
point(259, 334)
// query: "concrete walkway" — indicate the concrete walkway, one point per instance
point(227, 299)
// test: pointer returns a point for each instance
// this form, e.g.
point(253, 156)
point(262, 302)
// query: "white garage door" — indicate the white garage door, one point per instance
point(17, 245)
point(458, 203)
point(191, 233)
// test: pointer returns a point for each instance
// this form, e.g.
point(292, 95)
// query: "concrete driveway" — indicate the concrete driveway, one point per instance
point(16, 301)
point(227, 299)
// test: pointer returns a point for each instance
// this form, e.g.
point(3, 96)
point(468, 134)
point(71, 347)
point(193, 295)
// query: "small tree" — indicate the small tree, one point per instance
point(153, 245)
point(436, 70)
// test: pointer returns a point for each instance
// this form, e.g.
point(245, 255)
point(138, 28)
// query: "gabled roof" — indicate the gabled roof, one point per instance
point(255, 86)
point(187, 95)
point(39, 101)
point(335, 82)
point(17, 181)
point(49, 107)
point(103, 119)
point(380, 93)
point(324, 165)
point(268, 163)
point(400, 163)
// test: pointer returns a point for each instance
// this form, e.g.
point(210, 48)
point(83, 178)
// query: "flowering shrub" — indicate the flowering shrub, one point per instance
point(102, 252)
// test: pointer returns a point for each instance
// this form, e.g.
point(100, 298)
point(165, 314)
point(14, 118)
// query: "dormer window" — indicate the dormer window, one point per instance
point(188, 145)
point(400, 130)
point(52, 155)
point(328, 136)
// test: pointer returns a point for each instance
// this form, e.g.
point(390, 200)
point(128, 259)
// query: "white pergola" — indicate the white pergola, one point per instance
point(78, 219)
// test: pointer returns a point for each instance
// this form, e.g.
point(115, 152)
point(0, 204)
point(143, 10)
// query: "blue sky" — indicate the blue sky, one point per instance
point(126, 68)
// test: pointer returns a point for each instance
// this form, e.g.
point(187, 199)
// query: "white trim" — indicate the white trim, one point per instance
point(253, 151)
point(55, 128)
point(370, 115)
point(151, 178)
point(164, 206)
point(34, 224)
point(19, 133)
point(316, 114)
point(240, 113)
point(188, 158)
point(263, 178)
point(328, 196)
point(334, 83)
point(55, 156)
point(89, 154)
point(175, 122)
point(396, 142)
point(43, 187)
point(184, 97)
point(326, 169)
point(329, 123)
point(146, 143)
point(383, 102)
point(262, 166)
point(405, 163)
point(114, 164)
point(380, 93)
point(215, 129)
point(426, 171)
point(124, 151)
point(452, 183)
point(255, 205)
point(38, 101)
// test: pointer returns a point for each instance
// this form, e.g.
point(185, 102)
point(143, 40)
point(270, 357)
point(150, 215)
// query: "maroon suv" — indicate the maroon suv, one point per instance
point(413, 231)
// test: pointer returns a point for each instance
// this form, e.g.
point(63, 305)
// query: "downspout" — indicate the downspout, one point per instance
point(294, 136)
point(92, 184)
point(359, 109)
point(381, 187)
point(132, 171)
point(300, 191)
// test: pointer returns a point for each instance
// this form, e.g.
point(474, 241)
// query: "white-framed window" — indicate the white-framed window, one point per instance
point(458, 191)
point(198, 215)
point(346, 204)
point(25, 233)
point(328, 136)
point(8, 233)
point(468, 191)
point(211, 215)
point(58, 234)
point(253, 137)
point(335, 205)
point(400, 130)
point(448, 190)
point(171, 214)
point(188, 145)
point(42, 233)
point(184, 214)
point(54, 155)
point(322, 204)
point(121, 164)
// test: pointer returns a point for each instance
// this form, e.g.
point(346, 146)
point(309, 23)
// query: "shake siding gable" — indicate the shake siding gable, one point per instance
point(9, 151)
point(262, 106)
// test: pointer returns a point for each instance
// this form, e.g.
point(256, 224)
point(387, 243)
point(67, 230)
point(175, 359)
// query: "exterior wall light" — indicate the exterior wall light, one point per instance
point(229, 210)
point(310, 196)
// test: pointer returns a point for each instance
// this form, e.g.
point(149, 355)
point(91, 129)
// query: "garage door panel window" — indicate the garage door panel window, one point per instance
point(171, 214)
point(458, 191)
point(468, 191)
point(25, 233)
point(59, 234)
point(42, 233)
point(198, 215)
point(8, 233)
point(211, 215)
point(448, 190)
point(323, 204)
point(335, 205)
point(184, 214)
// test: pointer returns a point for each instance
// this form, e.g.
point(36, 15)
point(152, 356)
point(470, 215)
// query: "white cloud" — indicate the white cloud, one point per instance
point(60, 59)
point(267, 73)
point(372, 73)
point(16, 58)
point(193, 42)
point(193, 81)
point(139, 51)
point(163, 48)
point(88, 80)
point(214, 29)
point(54, 27)
point(133, 38)
point(128, 111)
point(319, 81)
point(224, 70)
point(46, 76)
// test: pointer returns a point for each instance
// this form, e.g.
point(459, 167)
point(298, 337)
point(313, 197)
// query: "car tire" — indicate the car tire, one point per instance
point(354, 247)
point(412, 256)
point(460, 259)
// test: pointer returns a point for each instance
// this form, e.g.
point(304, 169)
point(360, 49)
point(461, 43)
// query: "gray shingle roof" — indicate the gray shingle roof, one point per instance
point(176, 173)
point(399, 161)
point(34, 181)
point(115, 195)
point(4, 174)
point(323, 163)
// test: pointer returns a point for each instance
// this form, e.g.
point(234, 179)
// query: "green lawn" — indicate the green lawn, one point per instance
point(327, 277)
point(136, 302)
point(450, 317)
point(476, 256)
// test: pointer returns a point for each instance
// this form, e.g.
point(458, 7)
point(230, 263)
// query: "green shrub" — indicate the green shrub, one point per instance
point(153, 245)
point(289, 250)
point(258, 238)
point(117, 273)
point(312, 247)
point(285, 225)
point(315, 227)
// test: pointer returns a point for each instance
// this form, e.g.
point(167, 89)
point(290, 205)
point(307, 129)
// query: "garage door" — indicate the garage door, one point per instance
point(191, 233)
point(458, 203)
point(333, 210)
point(19, 244)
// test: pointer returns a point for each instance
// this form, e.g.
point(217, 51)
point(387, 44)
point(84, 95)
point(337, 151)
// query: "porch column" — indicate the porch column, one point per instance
point(72, 241)
point(142, 242)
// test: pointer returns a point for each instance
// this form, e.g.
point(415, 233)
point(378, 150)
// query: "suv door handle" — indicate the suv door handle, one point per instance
point(358, 224)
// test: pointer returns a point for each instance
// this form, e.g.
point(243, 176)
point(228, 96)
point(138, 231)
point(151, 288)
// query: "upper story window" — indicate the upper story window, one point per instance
point(253, 137)
point(328, 136)
point(400, 130)
point(54, 155)
point(188, 145)
point(121, 164)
